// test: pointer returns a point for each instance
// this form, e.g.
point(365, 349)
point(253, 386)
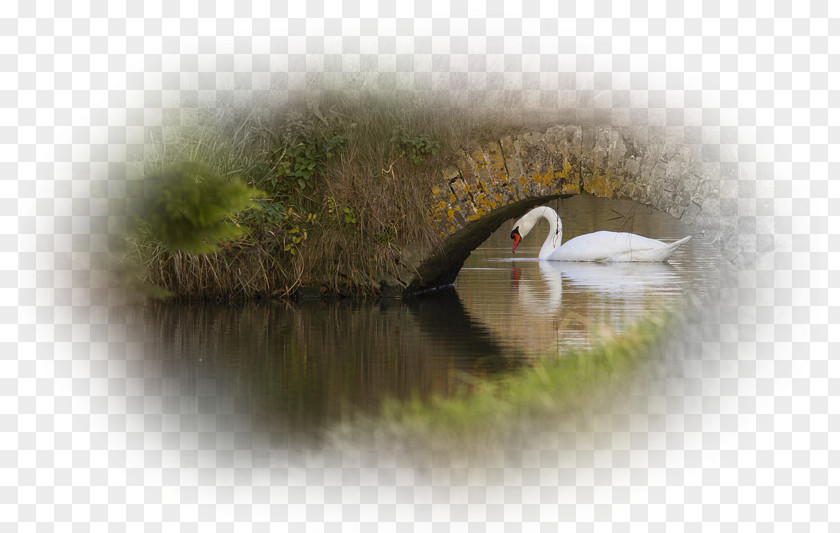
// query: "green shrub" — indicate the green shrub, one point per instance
point(189, 208)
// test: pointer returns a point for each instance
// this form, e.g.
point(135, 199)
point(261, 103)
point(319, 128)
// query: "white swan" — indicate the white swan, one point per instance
point(602, 246)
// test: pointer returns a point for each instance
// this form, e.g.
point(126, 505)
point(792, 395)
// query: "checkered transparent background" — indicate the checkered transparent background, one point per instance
point(744, 430)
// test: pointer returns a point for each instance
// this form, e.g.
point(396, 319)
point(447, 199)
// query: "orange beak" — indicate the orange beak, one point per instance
point(516, 239)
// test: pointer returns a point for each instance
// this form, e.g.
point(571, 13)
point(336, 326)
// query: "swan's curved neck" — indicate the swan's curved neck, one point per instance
point(555, 231)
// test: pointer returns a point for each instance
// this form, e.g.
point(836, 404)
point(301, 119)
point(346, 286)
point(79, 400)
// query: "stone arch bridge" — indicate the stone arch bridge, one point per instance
point(502, 179)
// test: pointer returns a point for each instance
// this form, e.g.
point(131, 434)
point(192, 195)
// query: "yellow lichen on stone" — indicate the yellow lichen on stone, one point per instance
point(563, 173)
point(569, 188)
point(542, 179)
point(497, 163)
point(435, 214)
point(547, 178)
point(601, 184)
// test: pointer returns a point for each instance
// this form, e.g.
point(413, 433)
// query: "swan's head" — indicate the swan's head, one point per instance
point(523, 226)
point(517, 238)
point(520, 230)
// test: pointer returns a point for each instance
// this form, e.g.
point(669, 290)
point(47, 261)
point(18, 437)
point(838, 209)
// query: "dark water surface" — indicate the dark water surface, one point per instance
point(307, 365)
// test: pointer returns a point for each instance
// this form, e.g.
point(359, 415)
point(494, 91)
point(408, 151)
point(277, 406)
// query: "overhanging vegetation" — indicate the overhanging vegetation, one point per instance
point(338, 191)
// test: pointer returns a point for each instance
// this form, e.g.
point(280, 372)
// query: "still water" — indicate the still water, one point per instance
point(304, 366)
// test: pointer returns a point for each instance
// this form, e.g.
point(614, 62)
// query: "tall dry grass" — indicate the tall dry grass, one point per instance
point(345, 229)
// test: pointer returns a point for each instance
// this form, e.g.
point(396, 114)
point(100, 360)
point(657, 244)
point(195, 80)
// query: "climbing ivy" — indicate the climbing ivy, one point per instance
point(296, 161)
point(333, 208)
point(413, 147)
point(286, 215)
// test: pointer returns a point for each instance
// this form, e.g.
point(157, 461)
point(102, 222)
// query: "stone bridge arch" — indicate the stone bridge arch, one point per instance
point(502, 179)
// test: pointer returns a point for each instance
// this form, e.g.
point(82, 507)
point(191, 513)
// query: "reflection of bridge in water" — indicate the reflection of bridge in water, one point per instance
point(302, 367)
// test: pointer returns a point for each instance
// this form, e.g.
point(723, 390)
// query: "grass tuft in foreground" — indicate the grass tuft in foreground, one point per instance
point(548, 388)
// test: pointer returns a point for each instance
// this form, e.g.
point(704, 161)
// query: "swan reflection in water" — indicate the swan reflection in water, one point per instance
point(618, 281)
point(623, 280)
point(574, 299)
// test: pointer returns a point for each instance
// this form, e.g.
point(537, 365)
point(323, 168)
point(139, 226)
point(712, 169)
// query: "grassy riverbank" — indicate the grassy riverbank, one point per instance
point(338, 190)
point(546, 389)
